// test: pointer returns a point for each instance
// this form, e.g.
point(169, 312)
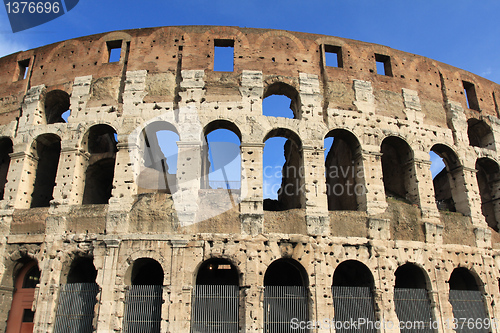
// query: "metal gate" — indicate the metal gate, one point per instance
point(413, 309)
point(143, 309)
point(215, 309)
point(468, 306)
point(282, 304)
point(353, 303)
point(75, 311)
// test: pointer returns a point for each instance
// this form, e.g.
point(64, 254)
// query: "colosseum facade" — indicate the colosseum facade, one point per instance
point(98, 233)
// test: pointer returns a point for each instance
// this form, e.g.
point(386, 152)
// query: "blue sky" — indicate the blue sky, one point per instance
point(462, 33)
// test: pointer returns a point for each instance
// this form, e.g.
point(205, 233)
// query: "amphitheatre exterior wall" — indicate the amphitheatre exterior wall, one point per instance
point(166, 75)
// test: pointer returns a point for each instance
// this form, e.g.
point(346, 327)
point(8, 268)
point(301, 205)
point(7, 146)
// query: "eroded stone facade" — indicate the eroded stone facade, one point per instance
point(165, 75)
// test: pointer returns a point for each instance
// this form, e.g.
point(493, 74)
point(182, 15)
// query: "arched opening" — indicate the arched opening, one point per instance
point(101, 146)
point(480, 134)
point(285, 296)
point(344, 169)
point(398, 169)
point(352, 294)
point(56, 104)
point(222, 163)
point(216, 298)
point(77, 298)
point(466, 299)
point(159, 158)
point(21, 315)
point(144, 297)
point(283, 171)
point(488, 181)
point(411, 298)
point(449, 183)
point(281, 100)
point(5, 150)
point(46, 148)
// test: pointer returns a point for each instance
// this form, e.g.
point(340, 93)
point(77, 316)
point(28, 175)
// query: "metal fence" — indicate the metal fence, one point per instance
point(468, 310)
point(215, 309)
point(413, 309)
point(75, 311)
point(143, 309)
point(354, 303)
point(281, 305)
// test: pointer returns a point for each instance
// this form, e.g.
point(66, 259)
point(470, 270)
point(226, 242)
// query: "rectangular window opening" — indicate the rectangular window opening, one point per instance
point(223, 55)
point(383, 64)
point(24, 66)
point(471, 96)
point(28, 316)
point(114, 50)
point(333, 56)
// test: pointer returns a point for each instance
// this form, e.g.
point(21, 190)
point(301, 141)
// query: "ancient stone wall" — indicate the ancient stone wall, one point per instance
point(97, 185)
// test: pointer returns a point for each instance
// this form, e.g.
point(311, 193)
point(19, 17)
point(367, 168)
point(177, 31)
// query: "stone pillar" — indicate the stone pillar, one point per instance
point(252, 89)
point(471, 196)
point(310, 97)
point(80, 95)
point(254, 291)
point(314, 190)
point(21, 177)
point(364, 98)
point(373, 200)
point(106, 258)
point(251, 206)
point(422, 189)
point(435, 311)
point(33, 108)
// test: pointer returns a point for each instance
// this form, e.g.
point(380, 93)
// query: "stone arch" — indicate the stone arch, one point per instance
point(278, 33)
point(296, 273)
point(57, 102)
point(125, 269)
point(6, 147)
point(145, 271)
point(228, 33)
point(289, 194)
point(283, 89)
point(46, 149)
point(488, 181)
point(72, 46)
point(163, 34)
point(343, 164)
point(398, 168)
point(352, 273)
point(480, 134)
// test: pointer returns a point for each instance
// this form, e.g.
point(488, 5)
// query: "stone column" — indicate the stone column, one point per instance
point(252, 89)
point(310, 97)
point(314, 190)
point(422, 188)
point(106, 258)
point(373, 200)
point(254, 291)
point(471, 196)
point(21, 177)
point(251, 206)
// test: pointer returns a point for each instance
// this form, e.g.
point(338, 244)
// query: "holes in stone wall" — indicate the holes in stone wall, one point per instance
point(56, 104)
point(488, 181)
point(470, 95)
point(159, 158)
point(101, 144)
point(283, 171)
point(383, 64)
point(480, 134)
point(397, 158)
point(223, 55)
point(5, 150)
point(46, 148)
point(333, 56)
point(343, 167)
point(281, 100)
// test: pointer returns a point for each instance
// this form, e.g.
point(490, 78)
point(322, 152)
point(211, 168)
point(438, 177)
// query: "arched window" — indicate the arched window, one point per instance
point(5, 150)
point(480, 134)
point(285, 296)
point(466, 300)
point(398, 169)
point(352, 294)
point(283, 171)
point(101, 145)
point(144, 298)
point(222, 164)
point(281, 100)
point(56, 104)
point(159, 158)
point(216, 298)
point(46, 148)
point(21, 315)
point(488, 181)
point(343, 167)
point(411, 299)
point(77, 299)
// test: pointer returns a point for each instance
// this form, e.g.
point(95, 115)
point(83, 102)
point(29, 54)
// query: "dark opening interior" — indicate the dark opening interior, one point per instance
point(442, 186)
point(24, 66)
point(480, 134)
point(57, 102)
point(462, 279)
point(395, 157)
point(488, 176)
point(410, 276)
point(285, 272)
point(47, 148)
point(82, 271)
point(470, 95)
point(5, 150)
point(217, 272)
point(352, 273)
point(146, 271)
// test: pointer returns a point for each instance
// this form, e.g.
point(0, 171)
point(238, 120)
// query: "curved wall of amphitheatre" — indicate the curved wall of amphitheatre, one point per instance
point(97, 186)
